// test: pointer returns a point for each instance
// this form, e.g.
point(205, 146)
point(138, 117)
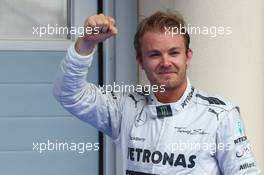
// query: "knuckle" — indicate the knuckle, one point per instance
point(90, 21)
point(99, 22)
point(106, 22)
point(111, 20)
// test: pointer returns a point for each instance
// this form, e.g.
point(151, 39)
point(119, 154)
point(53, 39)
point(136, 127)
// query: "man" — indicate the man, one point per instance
point(177, 131)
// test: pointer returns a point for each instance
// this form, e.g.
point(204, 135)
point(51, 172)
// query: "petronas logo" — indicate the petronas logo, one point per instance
point(164, 111)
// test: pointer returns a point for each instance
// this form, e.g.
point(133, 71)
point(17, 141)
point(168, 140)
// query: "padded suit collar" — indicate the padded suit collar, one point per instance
point(161, 110)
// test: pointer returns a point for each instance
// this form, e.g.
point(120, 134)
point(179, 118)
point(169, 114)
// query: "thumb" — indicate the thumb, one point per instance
point(113, 30)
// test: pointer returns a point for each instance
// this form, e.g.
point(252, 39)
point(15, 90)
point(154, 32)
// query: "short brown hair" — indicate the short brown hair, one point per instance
point(158, 21)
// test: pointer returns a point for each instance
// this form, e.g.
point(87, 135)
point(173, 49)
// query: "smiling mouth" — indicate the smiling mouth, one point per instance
point(166, 73)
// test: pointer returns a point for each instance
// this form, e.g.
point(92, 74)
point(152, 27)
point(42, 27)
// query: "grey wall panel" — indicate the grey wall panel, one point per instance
point(34, 67)
point(52, 163)
point(28, 100)
point(20, 133)
point(27, 67)
point(29, 113)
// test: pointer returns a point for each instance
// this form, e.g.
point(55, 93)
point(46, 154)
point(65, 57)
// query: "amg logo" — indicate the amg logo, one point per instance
point(157, 157)
point(240, 139)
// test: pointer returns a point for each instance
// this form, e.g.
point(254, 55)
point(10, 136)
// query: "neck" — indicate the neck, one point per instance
point(172, 95)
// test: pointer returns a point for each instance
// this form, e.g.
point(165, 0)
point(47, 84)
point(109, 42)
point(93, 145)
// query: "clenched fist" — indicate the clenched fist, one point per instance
point(103, 28)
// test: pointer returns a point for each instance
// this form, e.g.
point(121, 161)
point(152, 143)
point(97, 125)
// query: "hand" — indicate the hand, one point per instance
point(103, 28)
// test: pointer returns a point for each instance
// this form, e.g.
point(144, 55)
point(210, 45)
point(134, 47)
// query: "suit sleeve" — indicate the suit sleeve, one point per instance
point(85, 100)
point(235, 156)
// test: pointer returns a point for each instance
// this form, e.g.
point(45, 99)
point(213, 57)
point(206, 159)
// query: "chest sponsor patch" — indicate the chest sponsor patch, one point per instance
point(162, 158)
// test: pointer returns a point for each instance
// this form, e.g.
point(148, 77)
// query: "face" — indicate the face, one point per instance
point(164, 59)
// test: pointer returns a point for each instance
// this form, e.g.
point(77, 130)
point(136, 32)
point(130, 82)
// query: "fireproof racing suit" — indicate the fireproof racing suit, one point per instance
point(198, 135)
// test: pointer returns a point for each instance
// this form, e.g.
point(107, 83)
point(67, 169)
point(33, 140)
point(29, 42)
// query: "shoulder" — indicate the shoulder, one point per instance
point(216, 104)
point(214, 101)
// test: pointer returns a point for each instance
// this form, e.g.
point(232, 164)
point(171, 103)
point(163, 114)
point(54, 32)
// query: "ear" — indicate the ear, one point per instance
point(189, 55)
point(139, 61)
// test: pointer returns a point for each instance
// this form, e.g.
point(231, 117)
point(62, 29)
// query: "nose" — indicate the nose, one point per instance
point(165, 61)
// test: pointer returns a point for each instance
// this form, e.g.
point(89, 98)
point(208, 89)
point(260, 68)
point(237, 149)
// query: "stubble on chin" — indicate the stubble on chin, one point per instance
point(174, 83)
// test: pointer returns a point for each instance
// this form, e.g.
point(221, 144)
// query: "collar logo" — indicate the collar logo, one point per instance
point(188, 98)
point(164, 111)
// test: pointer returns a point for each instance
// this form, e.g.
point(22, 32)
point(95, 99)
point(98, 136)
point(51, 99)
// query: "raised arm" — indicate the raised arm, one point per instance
point(75, 94)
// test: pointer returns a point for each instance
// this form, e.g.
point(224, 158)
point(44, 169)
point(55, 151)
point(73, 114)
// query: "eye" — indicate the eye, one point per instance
point(154, 55)
point(174, 53)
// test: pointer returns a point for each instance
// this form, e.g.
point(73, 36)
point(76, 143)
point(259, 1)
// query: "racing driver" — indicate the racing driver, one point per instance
point(181, 130)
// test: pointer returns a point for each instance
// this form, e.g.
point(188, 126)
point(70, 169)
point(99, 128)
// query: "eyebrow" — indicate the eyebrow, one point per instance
point(174, 48)
point(152, 51)
point(157, 51)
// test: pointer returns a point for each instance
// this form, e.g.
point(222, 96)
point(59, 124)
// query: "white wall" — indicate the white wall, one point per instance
point(228, 65)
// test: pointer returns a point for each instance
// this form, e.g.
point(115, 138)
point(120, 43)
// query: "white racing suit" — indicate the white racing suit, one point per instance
point(197, 135)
